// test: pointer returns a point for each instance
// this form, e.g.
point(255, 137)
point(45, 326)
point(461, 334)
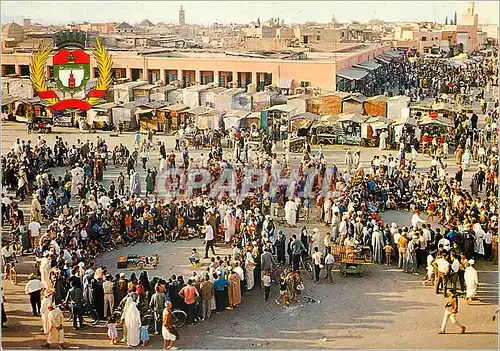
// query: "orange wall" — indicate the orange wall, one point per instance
point(321, 73)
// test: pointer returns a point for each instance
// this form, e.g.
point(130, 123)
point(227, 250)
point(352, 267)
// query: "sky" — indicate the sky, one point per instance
point(206, 12)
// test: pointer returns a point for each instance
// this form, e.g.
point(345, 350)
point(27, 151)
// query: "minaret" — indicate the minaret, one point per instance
point(71, 80)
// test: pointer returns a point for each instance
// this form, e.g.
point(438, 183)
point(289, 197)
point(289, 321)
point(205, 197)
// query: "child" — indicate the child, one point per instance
point(307, 209)
point(194, 258)
point(144, 334)
point(112, 332)
point(266, 284)
point(283, 291)
point(388, 253)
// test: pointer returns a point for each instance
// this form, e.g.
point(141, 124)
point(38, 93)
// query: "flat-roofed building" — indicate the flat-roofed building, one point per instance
point(314, 69)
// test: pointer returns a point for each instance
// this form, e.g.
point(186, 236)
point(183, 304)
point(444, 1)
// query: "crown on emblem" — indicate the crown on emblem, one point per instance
point(68, 38)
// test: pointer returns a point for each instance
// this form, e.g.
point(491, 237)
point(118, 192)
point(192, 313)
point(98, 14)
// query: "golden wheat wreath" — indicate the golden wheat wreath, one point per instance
point(38, 69)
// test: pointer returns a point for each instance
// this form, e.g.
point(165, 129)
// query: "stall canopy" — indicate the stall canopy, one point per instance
point(305, 115)
point(303, 120)
point(352, 73)
point(352, 117)
point(369, 65)
point(384, 58)
point(427, 121)
point(404, 120)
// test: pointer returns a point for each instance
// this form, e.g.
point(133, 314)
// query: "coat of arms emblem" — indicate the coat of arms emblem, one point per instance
point(71, 64)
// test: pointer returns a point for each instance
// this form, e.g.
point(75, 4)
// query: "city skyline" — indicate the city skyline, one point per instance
point(60, 12)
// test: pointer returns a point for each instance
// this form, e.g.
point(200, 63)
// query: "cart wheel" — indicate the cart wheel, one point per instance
point(343, 274)
point(359, 275)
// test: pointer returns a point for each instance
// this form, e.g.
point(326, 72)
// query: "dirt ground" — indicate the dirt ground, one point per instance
point(385, 309)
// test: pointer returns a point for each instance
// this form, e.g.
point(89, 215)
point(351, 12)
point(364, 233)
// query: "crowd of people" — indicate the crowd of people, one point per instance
point(243, 214)
point(422, 78)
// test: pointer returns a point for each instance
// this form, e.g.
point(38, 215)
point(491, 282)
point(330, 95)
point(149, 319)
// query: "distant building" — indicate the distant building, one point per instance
point(27, 22)
point(124, 27)
point(182, 16)
point(12, 35)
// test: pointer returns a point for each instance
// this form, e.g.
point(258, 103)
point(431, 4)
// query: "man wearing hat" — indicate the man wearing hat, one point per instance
point(471, 282)
point(44, 309)
point(56, 331)
point(33, 289)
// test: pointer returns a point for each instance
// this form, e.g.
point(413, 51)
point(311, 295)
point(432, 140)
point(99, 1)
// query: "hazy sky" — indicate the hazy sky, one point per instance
point(241, 11)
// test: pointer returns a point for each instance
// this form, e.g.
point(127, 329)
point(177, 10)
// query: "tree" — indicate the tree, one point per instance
point(258, 21)
point(446, 21)
point(455, 19)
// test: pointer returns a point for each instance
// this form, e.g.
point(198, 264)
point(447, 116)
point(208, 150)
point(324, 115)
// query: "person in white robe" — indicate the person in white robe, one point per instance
point(290, 212)
point(36, 210)
point(77, 177)
point(133, 323)
point(163, 165)
point(348, 159)
point(229, 226)
point(378, 245)
point(56, 330)
point(249, 268)
point(45, 266)
point(479, 240)
point(414, 154)
point(382, 145)
point(44, 309)
point(135, 183)
point(466, 159)
point(471, 282)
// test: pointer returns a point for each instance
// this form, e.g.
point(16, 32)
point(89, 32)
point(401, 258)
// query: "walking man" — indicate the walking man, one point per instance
point(109, 297)
point(75, 299)
point(157, 305)
point(450, 312)
point(33, 289)
point(317, 256)
point(209, 239)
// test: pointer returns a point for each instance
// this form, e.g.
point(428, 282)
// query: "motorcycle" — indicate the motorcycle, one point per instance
point(39, 128)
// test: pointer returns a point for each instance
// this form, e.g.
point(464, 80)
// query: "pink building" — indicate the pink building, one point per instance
point(317, 70)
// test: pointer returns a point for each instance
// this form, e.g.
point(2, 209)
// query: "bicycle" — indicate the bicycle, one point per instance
point(179, 318)
point(307, 265)
point(90, 315)
point(10, 272)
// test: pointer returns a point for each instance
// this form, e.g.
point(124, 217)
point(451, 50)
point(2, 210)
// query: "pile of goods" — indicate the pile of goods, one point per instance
point(136, 262)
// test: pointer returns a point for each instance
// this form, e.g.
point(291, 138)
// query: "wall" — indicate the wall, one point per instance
point(320, 72)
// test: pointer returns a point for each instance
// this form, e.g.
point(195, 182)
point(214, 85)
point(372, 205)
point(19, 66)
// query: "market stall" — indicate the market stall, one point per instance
point(434, 127)
point(330, 104)
point(8, 107)
point(323, 130)
point(403, 126)
point(397, 107)
point(233, 119)
point(171, 117)
point(376, 106)
point(301, 123)
point(353, 104)
point(348, 128)
point(124, 114)
point(146, 114)
point(28, 110)
point(98, 115)
point(371, 129)
point(205, 117)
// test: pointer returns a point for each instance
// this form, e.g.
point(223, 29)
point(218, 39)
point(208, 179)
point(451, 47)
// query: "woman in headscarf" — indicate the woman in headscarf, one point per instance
point(132, 321)
point(479, 239)
point(229, 226)
point(466, 158)
point(249, 269)
point(44, 309)
point(234, 289)
point(378, 245)
point(471, 282)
